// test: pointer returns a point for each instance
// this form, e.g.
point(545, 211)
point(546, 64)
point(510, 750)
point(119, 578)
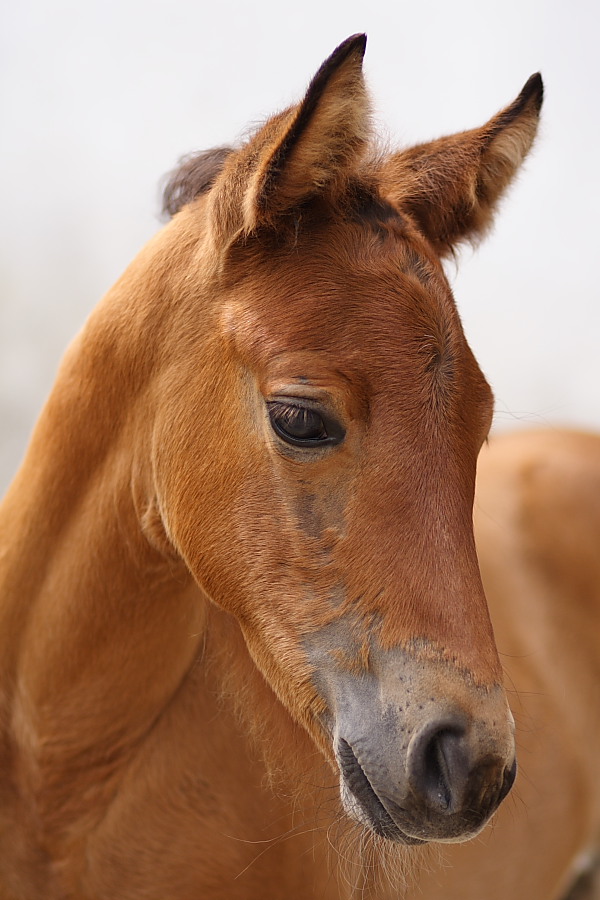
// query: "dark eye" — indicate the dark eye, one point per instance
point(302, 426)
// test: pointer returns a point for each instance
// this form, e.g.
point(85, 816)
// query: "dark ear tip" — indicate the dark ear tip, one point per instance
point(354, 43)
point(533, 90)
point(354, 46)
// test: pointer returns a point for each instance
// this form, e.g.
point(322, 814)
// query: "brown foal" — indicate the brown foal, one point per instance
point(246, 649)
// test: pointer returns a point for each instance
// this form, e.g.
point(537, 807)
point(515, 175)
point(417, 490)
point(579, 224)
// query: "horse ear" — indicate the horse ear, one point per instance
point(451, 186)
point(309, 149)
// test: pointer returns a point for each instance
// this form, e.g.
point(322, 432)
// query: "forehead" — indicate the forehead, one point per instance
point(368, 299)
point(365, 318)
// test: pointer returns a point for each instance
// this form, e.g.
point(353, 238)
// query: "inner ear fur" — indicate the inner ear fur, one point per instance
point(310, 149)
point(451, 186)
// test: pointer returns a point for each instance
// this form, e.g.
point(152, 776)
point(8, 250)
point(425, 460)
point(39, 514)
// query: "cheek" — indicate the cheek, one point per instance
point(251, 524)
point(203, 466)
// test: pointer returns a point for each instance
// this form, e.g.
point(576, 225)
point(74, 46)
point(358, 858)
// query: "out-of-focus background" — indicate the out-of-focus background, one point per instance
point(100, 98)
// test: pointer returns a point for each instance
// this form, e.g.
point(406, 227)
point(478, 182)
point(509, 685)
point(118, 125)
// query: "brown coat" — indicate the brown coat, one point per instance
point(245, 646)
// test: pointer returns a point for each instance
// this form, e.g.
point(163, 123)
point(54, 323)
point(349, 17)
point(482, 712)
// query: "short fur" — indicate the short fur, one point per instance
point(236, 667)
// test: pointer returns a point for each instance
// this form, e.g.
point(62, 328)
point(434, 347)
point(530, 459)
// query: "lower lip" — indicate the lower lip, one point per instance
point(387, 828)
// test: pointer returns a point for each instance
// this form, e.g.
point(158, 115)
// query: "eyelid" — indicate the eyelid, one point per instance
point(299, 394)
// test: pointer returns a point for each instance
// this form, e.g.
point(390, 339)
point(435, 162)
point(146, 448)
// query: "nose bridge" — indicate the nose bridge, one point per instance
point(424, 584)
point(446, 606)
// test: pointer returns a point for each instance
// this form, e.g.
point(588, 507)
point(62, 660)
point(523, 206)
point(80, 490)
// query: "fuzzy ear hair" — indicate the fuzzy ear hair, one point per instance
point(451, 186)
point(310, 149)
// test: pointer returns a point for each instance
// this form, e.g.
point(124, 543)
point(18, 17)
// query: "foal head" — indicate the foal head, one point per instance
point(315, 454)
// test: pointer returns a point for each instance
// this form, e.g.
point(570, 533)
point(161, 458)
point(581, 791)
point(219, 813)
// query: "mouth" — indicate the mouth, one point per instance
point(383, 815)
point(362, 801)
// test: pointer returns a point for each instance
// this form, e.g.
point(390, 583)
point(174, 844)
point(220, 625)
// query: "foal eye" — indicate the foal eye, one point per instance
point(302, 426)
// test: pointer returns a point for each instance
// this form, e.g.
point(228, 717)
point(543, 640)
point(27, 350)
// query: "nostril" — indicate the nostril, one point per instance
point(450, 776)
point(437, 771)
point(509, 779)
point(439, 766)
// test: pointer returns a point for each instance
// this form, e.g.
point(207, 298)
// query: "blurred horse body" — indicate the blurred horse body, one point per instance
point(245, 646)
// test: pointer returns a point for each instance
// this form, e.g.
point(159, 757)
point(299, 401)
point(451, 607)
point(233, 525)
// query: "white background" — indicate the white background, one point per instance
point(99, 99)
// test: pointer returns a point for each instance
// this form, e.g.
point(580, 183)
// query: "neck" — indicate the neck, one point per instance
point(98, 626)
point(99, 620)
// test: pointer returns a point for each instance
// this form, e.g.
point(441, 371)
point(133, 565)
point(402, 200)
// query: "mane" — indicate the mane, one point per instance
point(193, 176)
